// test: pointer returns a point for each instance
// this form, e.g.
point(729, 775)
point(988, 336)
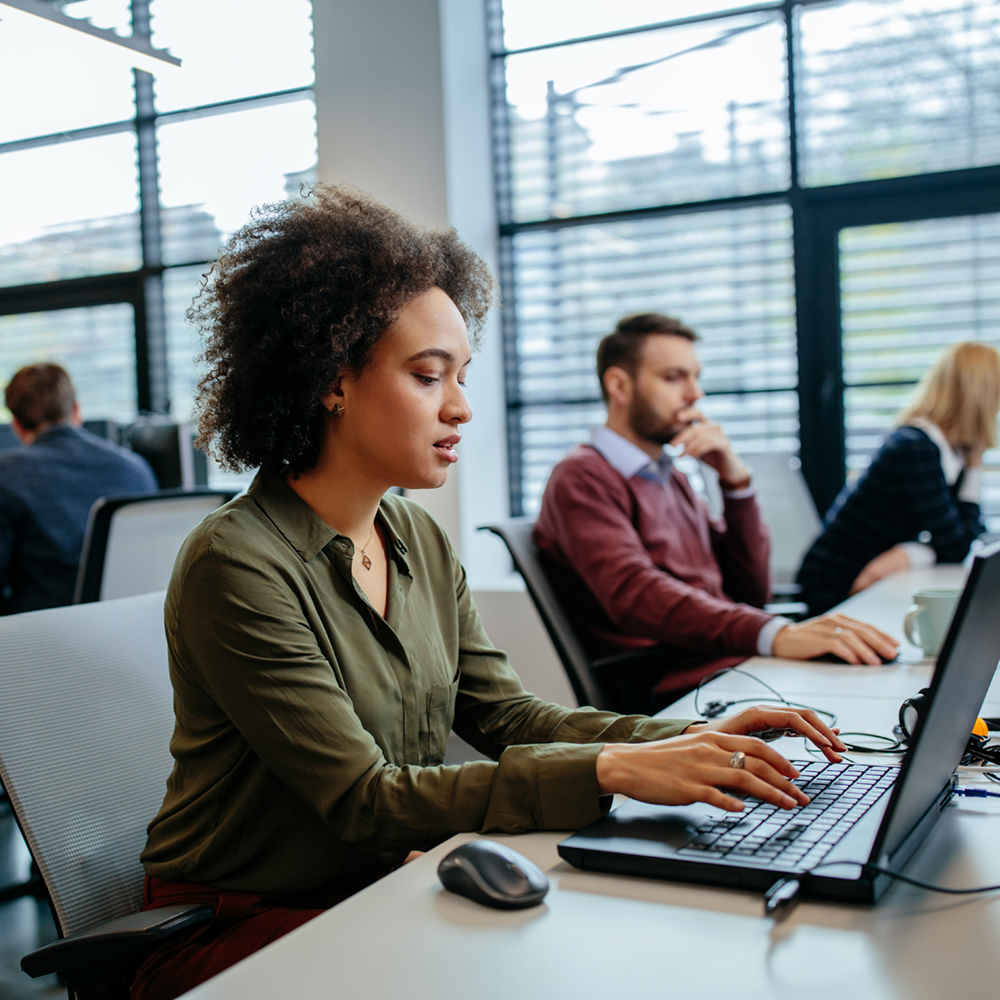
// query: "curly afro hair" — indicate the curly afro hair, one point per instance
point(301, 294)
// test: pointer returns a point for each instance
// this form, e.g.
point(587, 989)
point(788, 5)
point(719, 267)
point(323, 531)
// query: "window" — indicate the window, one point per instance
point(894, 87)
point(731, 267)
point(813, 186)
point(908, 289)
point(648, 117)
point(122, 186)
point(96, 344)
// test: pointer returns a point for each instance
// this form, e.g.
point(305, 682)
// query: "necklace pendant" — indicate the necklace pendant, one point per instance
point(365, 561)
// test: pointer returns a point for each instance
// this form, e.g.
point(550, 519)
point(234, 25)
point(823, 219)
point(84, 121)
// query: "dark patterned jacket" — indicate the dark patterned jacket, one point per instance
point(901, 497)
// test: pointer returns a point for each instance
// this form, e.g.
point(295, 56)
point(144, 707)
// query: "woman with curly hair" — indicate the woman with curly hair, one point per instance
point(321, 635)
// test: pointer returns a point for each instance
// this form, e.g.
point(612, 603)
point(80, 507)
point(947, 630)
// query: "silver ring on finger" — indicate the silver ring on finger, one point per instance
point(738, 760)
point(838, 631)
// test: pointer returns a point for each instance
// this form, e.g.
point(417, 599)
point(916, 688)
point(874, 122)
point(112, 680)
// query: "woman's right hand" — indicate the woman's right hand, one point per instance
point(695, 767)
point(853, 641)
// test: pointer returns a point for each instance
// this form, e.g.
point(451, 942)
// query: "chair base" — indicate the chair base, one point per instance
point(33, 887)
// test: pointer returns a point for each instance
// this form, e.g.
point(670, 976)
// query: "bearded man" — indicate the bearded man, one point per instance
point(638, 560)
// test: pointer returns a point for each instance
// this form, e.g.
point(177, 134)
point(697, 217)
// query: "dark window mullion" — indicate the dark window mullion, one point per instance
point(509, 323)
point(68, 293)
point(790, 70)
point(150, 315)
point(91, 132)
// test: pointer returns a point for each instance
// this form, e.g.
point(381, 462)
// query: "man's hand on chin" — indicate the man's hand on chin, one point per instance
point(704, 439)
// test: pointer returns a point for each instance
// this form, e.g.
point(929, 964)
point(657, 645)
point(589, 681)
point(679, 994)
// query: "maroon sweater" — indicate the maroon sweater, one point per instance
point(637, 563)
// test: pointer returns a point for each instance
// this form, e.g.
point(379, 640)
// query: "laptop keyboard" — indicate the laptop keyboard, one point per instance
point(798, 839)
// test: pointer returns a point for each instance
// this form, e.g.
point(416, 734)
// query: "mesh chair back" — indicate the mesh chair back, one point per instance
point(788, 508)
point(132, 541)
point(86, 715)
point(516, 534)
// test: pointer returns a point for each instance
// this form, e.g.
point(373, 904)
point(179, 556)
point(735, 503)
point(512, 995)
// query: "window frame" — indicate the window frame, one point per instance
point(143, 287)
point(818, 214)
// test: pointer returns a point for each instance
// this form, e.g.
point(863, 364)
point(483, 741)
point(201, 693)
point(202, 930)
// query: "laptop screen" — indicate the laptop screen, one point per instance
point(964, 671)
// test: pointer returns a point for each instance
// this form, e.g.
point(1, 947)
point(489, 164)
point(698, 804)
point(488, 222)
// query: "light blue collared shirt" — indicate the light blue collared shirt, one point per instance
point(630, 460)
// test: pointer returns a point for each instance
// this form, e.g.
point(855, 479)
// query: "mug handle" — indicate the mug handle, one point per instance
point(910, 626)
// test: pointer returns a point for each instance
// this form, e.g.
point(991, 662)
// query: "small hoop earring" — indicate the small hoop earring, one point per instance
point(338, 410)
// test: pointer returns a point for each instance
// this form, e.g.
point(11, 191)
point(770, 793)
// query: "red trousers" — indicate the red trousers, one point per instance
point(243, 923)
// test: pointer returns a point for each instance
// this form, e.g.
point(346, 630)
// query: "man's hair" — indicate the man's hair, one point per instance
point(300, 295)
point(40, 394)
point(622, 347)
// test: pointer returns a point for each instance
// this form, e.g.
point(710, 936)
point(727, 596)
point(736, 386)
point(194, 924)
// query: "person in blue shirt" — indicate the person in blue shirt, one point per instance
point(48, 487)
point(917, 503)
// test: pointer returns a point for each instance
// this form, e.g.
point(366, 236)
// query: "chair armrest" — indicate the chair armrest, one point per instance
point(116, 939)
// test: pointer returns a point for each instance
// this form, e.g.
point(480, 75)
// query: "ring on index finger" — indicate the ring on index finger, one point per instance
point(838, 631)
point(738, 760)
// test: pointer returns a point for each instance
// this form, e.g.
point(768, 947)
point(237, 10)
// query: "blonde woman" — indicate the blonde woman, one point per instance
point(918, 501)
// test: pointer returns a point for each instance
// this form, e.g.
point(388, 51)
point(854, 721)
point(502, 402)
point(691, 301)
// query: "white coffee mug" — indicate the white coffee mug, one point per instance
point(927, 620)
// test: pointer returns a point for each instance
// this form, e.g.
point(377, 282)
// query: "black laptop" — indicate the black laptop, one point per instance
point(860, 813)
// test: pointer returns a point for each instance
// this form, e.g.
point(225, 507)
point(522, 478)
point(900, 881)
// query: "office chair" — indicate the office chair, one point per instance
point(85, 723)
point(787, 507)
point(620, 683)
point(132, 540)
point(789, 510)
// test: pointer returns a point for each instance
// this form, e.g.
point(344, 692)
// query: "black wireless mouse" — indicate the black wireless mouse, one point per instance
point(494, 875)
point(834, 658)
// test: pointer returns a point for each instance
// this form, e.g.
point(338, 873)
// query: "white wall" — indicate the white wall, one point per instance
point(511, 622)
point(402, 103)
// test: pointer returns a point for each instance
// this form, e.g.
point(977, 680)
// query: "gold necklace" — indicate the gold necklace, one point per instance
point(365, 561)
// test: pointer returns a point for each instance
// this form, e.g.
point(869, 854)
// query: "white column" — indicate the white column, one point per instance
point(402, 101)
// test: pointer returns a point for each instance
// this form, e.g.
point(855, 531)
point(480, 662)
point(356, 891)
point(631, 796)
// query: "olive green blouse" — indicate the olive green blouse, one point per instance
point(310, 731)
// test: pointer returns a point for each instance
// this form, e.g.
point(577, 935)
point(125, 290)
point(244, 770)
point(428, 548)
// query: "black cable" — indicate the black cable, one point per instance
point(980, 748)
point(784, 893)
point(717, 707)
point(895, 746)
point(900, 877)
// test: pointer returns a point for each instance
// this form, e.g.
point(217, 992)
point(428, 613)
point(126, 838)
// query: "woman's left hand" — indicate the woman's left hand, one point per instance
point(765, 719)
point(890, 561)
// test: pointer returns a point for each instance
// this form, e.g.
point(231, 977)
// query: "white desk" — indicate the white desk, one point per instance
point(600, 935)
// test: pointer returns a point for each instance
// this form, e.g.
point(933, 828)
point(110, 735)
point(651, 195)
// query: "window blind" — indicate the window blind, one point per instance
point(727, 273)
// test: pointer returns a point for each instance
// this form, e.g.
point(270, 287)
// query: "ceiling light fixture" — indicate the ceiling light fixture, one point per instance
point(136, 51)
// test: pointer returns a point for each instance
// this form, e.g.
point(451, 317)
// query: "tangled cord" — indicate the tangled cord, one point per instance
point(716, 707)
point(979, 748)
